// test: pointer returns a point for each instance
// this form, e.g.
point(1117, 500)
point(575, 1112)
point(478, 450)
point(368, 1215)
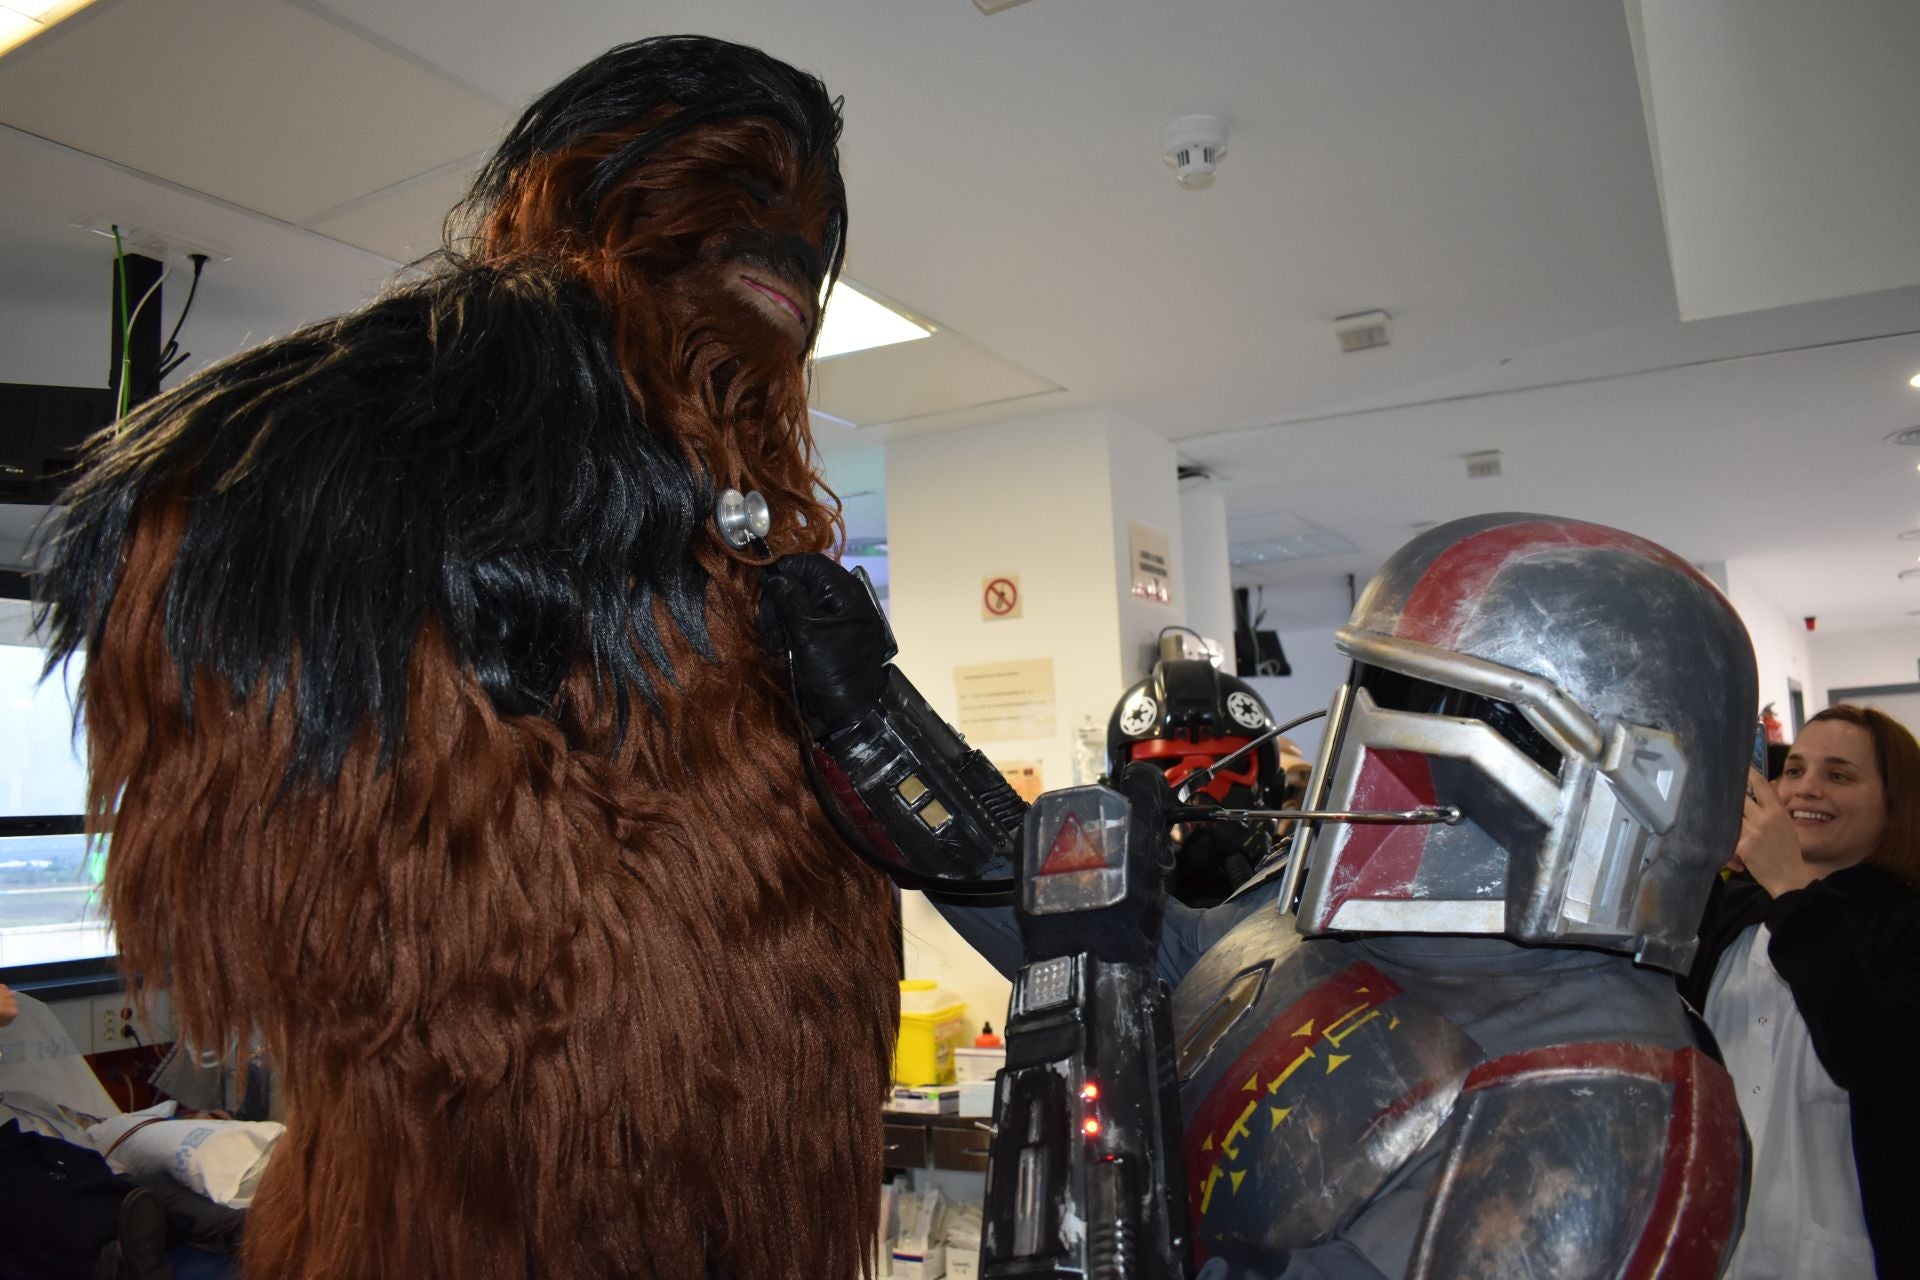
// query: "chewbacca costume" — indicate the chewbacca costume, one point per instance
point(430, 721)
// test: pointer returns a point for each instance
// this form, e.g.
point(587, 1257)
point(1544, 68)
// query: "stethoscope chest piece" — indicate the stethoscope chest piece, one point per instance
point(744, 518)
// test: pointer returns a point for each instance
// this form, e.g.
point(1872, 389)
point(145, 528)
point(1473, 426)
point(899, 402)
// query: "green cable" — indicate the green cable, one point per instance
point(126, 326)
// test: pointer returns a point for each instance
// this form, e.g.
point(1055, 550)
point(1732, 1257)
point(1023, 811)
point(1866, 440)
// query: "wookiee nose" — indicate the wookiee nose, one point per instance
point(802, 253)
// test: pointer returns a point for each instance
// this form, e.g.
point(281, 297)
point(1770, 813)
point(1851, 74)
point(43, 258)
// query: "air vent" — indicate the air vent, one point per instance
point(1910, 436)
point(1484, 465)
point(1362, 331)
point(1909, 574)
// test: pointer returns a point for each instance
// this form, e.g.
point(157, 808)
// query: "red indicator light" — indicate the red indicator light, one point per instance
point(1091, 1126)
point(1089, 1091)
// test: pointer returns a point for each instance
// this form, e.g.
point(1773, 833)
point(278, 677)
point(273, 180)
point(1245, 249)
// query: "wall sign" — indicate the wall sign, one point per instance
point(998, 701)
point(1151, 566)
point(999, 597)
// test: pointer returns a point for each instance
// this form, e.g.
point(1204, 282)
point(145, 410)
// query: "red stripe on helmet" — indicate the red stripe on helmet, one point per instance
point(1443, 601)
point(1382, 861)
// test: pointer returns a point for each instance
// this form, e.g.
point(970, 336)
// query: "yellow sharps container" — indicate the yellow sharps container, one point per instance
point(933, 1023)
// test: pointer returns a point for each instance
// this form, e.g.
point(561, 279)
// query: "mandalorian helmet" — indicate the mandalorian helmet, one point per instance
point(1185, 716)
point(1584, 698)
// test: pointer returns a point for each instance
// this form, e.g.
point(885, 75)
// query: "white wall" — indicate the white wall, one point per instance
point(1048, 499)
point(1851, 659)
point(1317, 668)
point(1780, 648)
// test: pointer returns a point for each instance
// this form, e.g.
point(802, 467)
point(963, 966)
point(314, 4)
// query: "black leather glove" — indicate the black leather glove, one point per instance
point(825, 617)
point(1215, 858)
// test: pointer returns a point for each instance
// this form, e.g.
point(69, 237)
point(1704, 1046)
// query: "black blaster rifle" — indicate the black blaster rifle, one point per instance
point(1084, 1172)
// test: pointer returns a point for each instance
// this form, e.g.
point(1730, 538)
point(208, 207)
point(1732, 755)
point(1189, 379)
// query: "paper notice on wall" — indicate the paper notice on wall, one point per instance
point(1024, 777)
point(999, 701)
point(1152, 567)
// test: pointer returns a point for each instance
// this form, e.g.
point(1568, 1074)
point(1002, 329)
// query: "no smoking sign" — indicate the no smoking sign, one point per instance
point(999, 597)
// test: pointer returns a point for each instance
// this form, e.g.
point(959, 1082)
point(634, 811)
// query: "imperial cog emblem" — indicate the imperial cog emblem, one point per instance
point(1138, 716)
point(1246, 711)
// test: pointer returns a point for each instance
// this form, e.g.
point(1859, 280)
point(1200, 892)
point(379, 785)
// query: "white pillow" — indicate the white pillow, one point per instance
point(221, 1159)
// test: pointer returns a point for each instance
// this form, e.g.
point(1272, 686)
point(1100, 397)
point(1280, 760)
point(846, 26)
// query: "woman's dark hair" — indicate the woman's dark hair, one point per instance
point(1897, 757)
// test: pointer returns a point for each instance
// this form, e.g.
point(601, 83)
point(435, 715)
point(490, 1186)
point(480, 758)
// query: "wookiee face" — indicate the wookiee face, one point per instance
point(709, 246)
point(737, 231)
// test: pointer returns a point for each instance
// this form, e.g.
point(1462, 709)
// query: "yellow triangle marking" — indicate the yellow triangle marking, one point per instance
point(1253, 1083)
point(1334, 1061)
point(1360, 991)
point(1208, 1144)
point(1279, 1114)
point(1206, 1190)
point(1306, 1028)
point(1273, 1085)
point(1239, 1176)
point(1393, 1023)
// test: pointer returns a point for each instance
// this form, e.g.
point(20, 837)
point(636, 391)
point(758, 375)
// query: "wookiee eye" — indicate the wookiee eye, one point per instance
point(758, 191)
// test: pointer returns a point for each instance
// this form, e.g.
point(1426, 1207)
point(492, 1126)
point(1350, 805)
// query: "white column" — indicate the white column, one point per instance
point(1209, 568)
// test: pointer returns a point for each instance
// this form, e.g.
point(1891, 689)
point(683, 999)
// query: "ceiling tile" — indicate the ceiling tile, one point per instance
point(403, 222)
point(940, 374)
point(257, 102)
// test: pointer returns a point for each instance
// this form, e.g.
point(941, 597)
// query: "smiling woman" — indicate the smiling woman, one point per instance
point(1808, 974)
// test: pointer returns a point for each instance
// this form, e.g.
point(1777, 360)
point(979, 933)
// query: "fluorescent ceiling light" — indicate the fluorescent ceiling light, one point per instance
point(1292, 546)
point(22, 20)
point(855, 322)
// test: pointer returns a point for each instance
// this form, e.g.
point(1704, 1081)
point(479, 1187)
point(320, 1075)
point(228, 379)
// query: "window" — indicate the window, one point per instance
point(49, 878)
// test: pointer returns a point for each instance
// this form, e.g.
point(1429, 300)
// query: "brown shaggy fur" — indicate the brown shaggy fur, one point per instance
point(546, 1002)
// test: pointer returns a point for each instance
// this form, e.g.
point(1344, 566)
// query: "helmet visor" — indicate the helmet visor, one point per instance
point(1407, 743)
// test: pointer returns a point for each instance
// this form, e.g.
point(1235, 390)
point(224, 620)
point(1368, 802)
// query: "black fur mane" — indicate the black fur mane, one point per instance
point(705, 80)
point(463, 449)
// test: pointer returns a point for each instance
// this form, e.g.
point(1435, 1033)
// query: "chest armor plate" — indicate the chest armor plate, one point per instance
point(1308, 1077)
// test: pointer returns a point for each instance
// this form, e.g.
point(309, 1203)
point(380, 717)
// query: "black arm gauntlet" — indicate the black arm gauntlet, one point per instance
point(936, 813)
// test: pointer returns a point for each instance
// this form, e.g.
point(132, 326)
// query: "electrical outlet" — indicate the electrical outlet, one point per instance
point(112, 1023)
point(156, 243)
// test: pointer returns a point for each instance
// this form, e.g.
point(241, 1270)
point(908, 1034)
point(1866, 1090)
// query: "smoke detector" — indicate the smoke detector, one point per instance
point(1194, 146)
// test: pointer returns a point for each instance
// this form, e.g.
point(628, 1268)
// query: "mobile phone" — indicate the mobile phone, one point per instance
point(1760, 748)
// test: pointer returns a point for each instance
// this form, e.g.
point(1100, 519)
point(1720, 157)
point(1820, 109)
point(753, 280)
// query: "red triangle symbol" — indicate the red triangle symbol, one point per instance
point(1072, 850)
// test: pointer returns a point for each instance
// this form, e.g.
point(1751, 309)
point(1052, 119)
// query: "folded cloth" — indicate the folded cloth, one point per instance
point(36, 1114)
point(221, 1159)
point(38, 1057)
